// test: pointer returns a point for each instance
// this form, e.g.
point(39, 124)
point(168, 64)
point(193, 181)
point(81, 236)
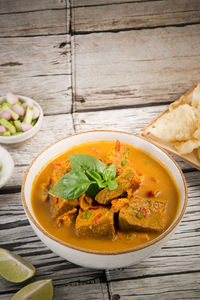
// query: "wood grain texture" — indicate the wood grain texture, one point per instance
point(79, 3)
point(136, 67)
point(112, 16)
point(42, 22)
point(39, 68)
point(184, 286)
point(10, 6)
point(34, 56)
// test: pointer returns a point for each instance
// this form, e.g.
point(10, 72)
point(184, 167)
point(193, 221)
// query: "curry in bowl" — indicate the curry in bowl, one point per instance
point(105, 196)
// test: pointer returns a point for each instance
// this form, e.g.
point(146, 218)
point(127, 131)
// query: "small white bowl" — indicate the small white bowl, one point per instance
point(7, 166)
point(15, 139)
point(102, 259)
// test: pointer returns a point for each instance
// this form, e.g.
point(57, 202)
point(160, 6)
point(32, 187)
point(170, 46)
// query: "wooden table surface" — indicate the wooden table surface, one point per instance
point(100, 64)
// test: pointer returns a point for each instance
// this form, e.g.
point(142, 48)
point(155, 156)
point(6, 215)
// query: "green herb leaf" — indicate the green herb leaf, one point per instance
point(71, 186)
point(112, 185)
point(83, 162)
point(94, 175)
point(97, 177)
point(123, 163)
point(93, 190)
point(109, 173)
point(127, 153)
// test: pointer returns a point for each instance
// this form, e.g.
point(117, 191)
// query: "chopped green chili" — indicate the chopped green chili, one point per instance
point(127, 153)
point(139, 215)
point(130, 236)
point(86, 214)
point(123, 163)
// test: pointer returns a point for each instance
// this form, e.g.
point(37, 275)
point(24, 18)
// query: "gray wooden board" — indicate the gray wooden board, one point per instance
point(10, 6)
point(31, 23)
point(35, 56)
point(136, 67)
point(105, 16)
point(39, 68)
point(183, 286)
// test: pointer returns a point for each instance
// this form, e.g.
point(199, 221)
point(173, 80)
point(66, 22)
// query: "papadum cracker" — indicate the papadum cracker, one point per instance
point(179, 126)
point(187, 147)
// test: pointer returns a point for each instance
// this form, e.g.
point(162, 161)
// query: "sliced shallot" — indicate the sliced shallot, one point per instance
point(18, 109)
point(2, 129)
point(25, 126)
point(12, 98)
point(36, 112)
point(6, 115)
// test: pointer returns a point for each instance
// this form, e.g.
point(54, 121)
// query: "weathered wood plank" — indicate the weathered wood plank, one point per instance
point(86, 3)
point(10, 6)
point(136, 67)
point(52, 92)
point(182, 286)
point(128, 15)
point(97, 291)
point(40, 68)
point(41, 22)
point(34, 56)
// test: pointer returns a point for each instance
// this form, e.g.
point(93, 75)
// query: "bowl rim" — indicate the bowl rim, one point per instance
point(9, 165)
point(119, 252)
point(22, 137)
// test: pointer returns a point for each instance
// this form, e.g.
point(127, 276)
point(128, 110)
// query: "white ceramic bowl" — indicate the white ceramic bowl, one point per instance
point(15, 139)
point(7, 166)
point(95, 259)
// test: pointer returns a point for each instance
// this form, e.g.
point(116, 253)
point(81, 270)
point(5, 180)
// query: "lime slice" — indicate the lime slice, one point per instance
point(14, 268)
point(39, 290)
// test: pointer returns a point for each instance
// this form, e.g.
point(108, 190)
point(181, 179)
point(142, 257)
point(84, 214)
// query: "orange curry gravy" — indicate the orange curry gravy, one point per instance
point(154, 177)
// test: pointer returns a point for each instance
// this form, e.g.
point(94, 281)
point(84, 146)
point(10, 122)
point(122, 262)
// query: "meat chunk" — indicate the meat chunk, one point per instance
point(66, 218)
point(60, 206)
point(85, 201)
point(45, 186)
point(142, 214)
point(128, 179)
point(117, 204)
point(59, 170)
point(95, 223)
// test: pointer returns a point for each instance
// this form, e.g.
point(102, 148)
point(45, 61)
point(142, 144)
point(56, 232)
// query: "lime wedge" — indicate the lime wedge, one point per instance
point(14, 268)
point(39, 290)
